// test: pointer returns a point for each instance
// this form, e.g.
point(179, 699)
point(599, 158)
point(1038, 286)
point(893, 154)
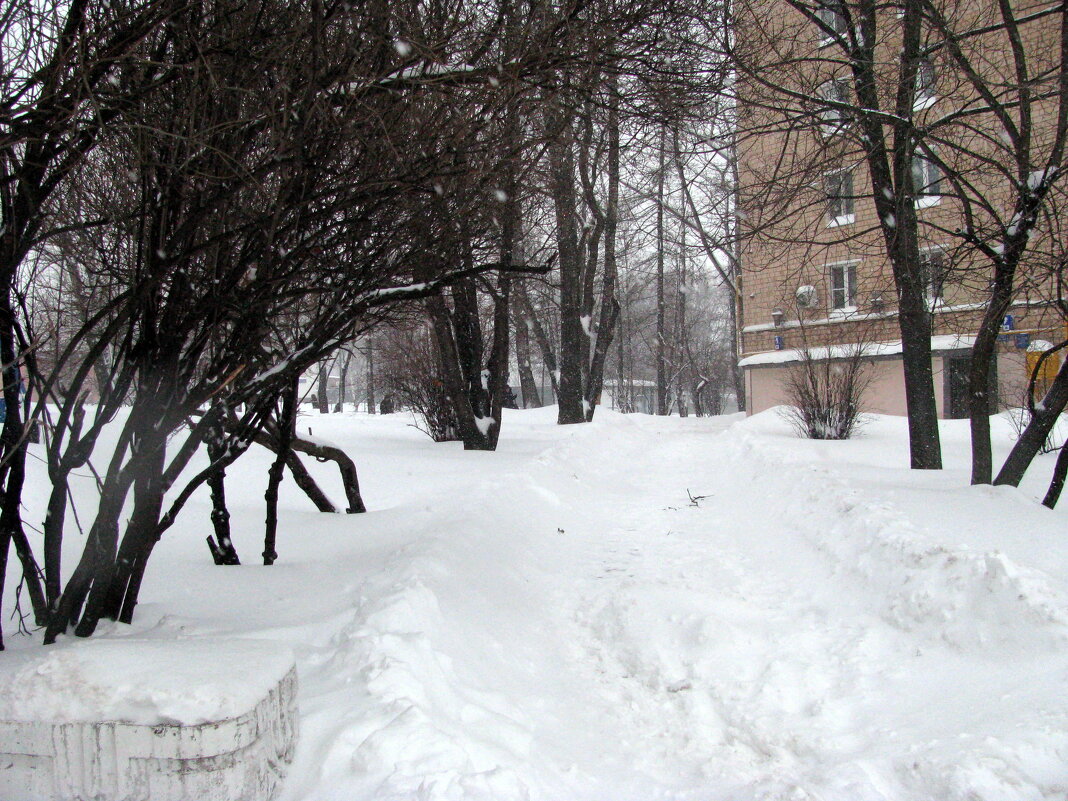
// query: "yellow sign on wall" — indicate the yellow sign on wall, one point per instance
point(1046, 374)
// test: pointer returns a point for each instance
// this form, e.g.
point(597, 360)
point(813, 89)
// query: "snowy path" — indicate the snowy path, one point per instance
point(596, 636)
point(718, 654)
point(558, 622)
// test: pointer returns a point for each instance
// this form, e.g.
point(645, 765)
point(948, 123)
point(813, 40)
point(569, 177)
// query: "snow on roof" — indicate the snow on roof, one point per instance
point(845, 351)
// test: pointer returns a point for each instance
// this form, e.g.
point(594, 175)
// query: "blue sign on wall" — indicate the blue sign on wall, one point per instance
point(1023, 340)
point(1008, 323)
point(778, 343)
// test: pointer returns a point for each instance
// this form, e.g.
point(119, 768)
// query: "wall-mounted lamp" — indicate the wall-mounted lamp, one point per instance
point(876, 302)
point(777, 316)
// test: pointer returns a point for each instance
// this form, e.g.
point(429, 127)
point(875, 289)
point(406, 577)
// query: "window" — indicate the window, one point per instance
point(926, 181)
point(833, 22)
point(925, 84)
point(844, 286)
point(839, 186)
point(933, 273)
point(833, 119)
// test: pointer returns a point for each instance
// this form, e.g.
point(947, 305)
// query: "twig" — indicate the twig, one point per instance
point(696, 499)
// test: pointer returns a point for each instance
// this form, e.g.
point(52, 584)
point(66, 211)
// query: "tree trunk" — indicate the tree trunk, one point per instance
point(475, 384)
point(120, 566)
point(371, 408)
point(53, 536)
point(322, 453)
point(548, 357)
point(322, 380)
point(609, 304)
point(681, 340)
point(342, 382)
point(562, 189)
point(286, 421)
point(924, 441)
point(497, 364)
point(890, 172)
point(326, 453)
point(1056, 484)
point(981, 364)
point(221, 547)
point(527, 385)
point(98, 555)
point(460, 362)
point(1038, 429)
point(140, 538)
point(12, 438)
point(303, 479)
point(661, 355)
point(737, 301)
point(345, 466)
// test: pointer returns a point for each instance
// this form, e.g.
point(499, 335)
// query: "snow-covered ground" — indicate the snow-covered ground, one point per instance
point(558, 620)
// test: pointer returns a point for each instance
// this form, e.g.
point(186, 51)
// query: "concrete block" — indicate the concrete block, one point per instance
point(139, 751)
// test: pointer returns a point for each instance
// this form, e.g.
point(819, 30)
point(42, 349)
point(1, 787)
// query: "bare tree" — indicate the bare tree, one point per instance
point(68, 71)
point(251, 191)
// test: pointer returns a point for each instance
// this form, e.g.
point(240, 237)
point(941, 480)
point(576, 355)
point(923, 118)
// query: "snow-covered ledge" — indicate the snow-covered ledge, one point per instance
point(147, 720)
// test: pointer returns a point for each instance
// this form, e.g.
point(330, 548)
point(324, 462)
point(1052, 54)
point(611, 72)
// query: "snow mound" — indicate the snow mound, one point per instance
point(965, 598)
point(420, 731)
point(1014, 768)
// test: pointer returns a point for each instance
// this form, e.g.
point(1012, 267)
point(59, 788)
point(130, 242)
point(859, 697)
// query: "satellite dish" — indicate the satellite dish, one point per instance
point(806, 296)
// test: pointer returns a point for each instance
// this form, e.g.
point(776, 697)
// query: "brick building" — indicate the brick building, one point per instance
point(814, 267)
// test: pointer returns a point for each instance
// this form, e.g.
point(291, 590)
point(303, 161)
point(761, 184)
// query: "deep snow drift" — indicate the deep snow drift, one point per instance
point(558, 620)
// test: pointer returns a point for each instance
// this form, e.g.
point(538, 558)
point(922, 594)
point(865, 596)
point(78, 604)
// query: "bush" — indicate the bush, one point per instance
point(826, 392)
point(411, 373)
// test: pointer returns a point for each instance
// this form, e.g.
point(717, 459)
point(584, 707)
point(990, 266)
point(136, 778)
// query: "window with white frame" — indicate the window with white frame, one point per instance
point(839, 188)
point(833, 118)
point(843, 278)
point(925, 84)
point(834, 22)
point(933, 273)
point(926, 181)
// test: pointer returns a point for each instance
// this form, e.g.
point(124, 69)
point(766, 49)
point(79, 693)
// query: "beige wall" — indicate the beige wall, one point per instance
point(886, 393)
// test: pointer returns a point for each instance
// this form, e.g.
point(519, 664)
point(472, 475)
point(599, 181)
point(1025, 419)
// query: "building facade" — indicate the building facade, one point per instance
point(815, 274)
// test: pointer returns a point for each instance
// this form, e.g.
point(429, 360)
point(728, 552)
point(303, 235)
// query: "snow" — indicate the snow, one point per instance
point(312, 439)
point(278, 368)
point(140, 681)
point(837, 317)
point(871, 350)
point(415, 71)
point(396, 291)
point(1037, 178)
point(559, 620)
